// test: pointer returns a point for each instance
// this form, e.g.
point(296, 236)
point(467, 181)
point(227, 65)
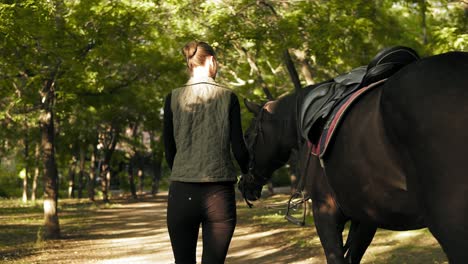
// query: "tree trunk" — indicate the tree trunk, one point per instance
point(156, 176)
point(423, 9)
point(105, 172)
point(104, 184)
point(141, 179)
point(254, 69)
point(108, 180)
point(71, 178)
point(51, 220)
point(36, 173)
point(26, 158)
point(92, 174)
point(81, 172)
point(156, 162)
point(304, 63)
point(25, 186)
point(131, 178)
point(133, 163)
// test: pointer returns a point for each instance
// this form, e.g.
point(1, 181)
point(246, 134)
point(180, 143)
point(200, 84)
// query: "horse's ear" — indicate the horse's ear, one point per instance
point(252, 107)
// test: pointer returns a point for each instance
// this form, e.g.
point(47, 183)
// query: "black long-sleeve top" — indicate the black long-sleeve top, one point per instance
point(238, 146)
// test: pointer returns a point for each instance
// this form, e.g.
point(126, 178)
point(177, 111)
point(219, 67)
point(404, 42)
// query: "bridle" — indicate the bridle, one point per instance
point(257, 132)
point(296, 199)
point(249, 178)
point(252, 179)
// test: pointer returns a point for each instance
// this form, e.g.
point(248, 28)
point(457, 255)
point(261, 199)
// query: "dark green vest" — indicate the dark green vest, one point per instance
point(201, 130)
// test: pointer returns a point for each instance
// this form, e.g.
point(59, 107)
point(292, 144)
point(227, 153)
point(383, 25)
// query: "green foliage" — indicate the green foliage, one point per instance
point(10, 183)
point(113, 62)
point(281, 177)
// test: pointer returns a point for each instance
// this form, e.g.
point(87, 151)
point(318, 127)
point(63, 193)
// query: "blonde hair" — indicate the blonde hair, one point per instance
point(196, 52)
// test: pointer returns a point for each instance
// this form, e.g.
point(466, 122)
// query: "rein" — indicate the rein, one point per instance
point(258, 131)
point(300, 193)
point(250, 178)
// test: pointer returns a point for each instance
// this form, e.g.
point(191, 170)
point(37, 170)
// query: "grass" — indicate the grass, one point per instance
point(21, 224)
point(417, 246)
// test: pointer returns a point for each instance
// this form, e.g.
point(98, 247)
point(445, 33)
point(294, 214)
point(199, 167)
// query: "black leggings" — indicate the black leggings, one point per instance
point(212, 205)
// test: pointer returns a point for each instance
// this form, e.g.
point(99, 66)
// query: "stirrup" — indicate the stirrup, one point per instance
point(293, 205)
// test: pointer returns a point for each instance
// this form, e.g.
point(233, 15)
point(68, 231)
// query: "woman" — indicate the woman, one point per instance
point(201, 123)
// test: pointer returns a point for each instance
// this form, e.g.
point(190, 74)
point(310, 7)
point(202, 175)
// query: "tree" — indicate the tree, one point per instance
point(67, 55)
point(76, 75)
point(32, 57)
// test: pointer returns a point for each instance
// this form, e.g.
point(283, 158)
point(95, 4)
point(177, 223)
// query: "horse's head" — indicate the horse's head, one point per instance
point(270, 138)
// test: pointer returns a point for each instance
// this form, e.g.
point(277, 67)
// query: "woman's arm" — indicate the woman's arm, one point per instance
point(237, 137)
point(168, 133)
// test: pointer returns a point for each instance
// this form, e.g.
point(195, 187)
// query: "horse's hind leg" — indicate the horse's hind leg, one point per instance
point(448, 223)
point(329, 223)
point(359, 238)
point(443, 185)
point(443, 188)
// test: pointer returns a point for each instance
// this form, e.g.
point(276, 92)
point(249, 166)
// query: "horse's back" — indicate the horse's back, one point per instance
point(425, 112)
point(443, 75)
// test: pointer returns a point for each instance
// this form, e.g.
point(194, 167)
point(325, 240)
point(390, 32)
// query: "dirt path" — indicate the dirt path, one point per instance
point(136, 233)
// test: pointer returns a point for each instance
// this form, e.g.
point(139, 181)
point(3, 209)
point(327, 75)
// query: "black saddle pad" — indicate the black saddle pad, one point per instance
point(320, 147)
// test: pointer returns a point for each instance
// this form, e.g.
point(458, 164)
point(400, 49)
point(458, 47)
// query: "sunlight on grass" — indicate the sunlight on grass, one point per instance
point(265, 219)
point(256, 252)
point(402, 236)
point(308, 242)
point(415, 246)
point(258, 235)
point(21, 223)
point(18, 203)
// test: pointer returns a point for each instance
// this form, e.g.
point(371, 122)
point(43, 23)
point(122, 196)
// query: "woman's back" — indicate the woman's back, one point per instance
point(201, 132)
point(202, 123)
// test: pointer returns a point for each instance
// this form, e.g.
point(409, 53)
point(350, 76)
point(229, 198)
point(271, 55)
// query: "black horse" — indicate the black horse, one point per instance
point(398, 160)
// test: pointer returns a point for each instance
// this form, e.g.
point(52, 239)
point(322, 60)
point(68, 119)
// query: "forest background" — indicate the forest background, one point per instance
point(82, 82)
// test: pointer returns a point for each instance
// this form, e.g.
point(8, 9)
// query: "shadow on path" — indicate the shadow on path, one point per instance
point(135, 232)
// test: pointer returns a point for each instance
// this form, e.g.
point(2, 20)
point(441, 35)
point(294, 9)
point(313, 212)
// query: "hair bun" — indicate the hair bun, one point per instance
point(196, 54)
point(190, 49)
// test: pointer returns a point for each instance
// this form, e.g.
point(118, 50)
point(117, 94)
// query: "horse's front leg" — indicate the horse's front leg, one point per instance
point(329, 222)
point(328, 218)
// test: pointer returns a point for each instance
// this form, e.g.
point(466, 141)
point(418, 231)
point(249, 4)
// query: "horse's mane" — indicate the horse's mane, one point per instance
point(288, 102)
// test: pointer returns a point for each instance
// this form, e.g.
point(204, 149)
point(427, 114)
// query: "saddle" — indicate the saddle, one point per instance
point(318, 104)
